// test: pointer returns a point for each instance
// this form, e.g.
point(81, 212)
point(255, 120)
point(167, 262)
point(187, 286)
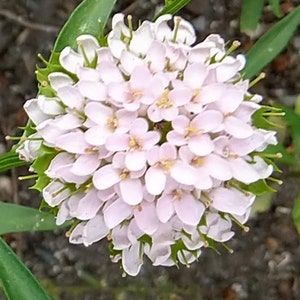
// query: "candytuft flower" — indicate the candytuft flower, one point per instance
point(149, 141)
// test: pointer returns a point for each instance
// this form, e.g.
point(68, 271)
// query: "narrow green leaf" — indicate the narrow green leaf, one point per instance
point(172, 7)
point(275, 5)
point(88, 17)
point(17, 281)
point(250, 15)
point(18, 218)
point(10, 160)
point(296, 213)
point(271, 43)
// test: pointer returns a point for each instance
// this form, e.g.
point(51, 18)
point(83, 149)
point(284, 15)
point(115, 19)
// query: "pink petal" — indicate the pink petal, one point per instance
point(155, 180)
point(217, 167)
point(135, 160)
point(70, 60)
point(183, 173)
point(116, 213)
point(146, 217)
point(92, 90)
point(139, 127)
point(129, 61)
point(229, 200)
point(207, 120)
point(167, 152)
point(189, 210)
point(120, 238)
point(164, 208)
point(117, 142)
point(55, 192)
point(140, 78)
point(86, 164)
point(106, 177)
point(131, 191)
point(109, 72)
point(201, 145)
point(98, 112)
point(180, 96)
point(89, 44)
point(242, 171)
point(97, 135)
point(237, 128)
point(88, 206)
point(76, 236)
point(59, 79)
point(94, 230)
point(71, 97)
point(131, 260)
point(195, 74)
point(150, 138)
point(73, 142)
point(170, 113)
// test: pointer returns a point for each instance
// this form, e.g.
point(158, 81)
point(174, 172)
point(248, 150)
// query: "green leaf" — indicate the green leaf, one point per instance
point(88, 17)
point(296, 213)
point(271, 43)
point(275, 5)
point(258, 188)
point(10, 160)
point(172, 7)
point(250, 15)
point(18, 218)
point(17, 281)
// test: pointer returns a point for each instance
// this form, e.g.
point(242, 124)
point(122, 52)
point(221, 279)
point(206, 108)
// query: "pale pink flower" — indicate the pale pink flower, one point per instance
point(135, 143)
point(194, 132)
point(163, 163)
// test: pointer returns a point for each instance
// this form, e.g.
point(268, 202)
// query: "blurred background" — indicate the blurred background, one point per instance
point(265, 264)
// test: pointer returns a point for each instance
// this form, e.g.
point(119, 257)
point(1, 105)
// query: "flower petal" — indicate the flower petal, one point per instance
point(131, 191)
point(155, 180)
point(116, 213)
point(106, 177)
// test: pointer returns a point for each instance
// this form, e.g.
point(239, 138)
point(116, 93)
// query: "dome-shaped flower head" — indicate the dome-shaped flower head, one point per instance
point(151, 141)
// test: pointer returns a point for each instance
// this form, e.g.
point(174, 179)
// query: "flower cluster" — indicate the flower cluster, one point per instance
point(151, 142)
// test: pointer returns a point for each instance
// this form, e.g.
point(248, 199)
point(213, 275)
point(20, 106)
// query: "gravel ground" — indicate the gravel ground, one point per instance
point(265, 264)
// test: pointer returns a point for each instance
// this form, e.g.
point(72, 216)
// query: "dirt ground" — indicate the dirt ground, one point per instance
point(265, 264)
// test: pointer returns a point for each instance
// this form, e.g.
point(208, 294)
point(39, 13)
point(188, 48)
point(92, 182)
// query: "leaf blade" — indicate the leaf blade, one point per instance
point(18, 218)
point(250, 14)
point(84, 19)
point(172, 7)
point(18, 282)
point(271, 43)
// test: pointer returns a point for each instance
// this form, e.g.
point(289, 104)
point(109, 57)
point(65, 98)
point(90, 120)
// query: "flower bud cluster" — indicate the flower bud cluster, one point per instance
point(152, 140)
